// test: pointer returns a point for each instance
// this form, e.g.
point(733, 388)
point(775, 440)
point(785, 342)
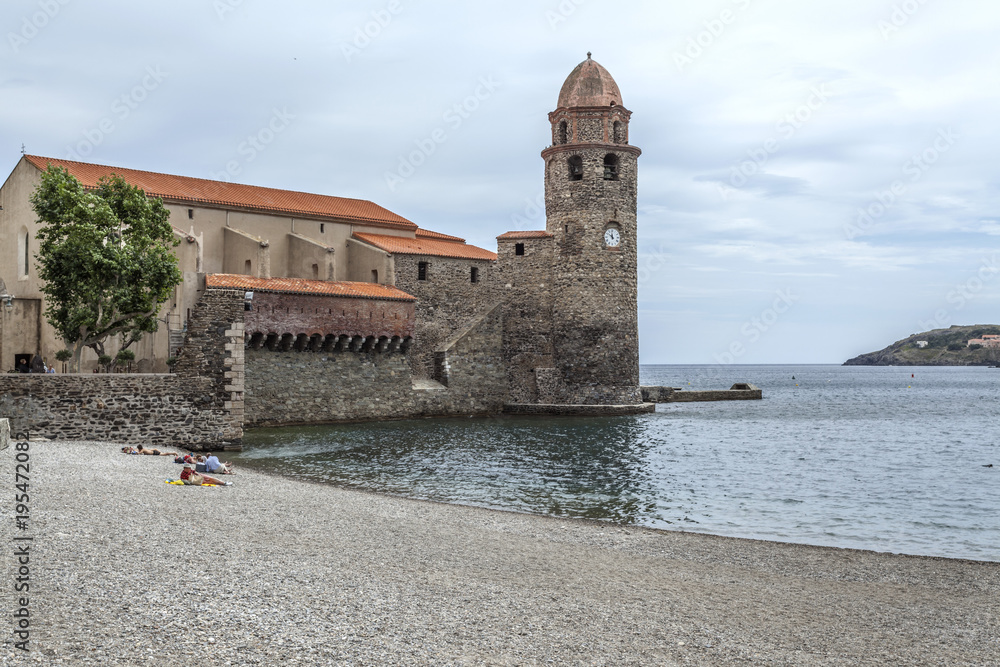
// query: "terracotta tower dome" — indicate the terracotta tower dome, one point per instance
point(589, 85)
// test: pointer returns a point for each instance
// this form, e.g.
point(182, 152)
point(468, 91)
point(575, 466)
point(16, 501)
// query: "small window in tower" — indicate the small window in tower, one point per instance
point(246, 267)
point(190, 214)
point(24, 252)
point(422, 271)
point(619, 132)
point(518, 248)
point(474, 275)
point(576, 168)
point(563, 132)
point(375, 276)
point(322, 228)
point(315, 271)
point(611, 167)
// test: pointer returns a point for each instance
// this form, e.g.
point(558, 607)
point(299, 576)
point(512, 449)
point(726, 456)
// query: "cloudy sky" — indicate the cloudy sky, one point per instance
point(818, 180)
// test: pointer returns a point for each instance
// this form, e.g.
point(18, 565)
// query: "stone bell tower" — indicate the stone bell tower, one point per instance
point(590, 207)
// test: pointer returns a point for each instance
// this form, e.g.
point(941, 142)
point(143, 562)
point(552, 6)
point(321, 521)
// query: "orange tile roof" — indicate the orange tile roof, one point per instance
point(319, 287)
point(219, 193)
point(400, 245)
point(428, 234)
point(530, 234)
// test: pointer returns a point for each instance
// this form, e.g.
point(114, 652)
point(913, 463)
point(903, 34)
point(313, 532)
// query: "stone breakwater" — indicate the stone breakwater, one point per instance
point(129, 570)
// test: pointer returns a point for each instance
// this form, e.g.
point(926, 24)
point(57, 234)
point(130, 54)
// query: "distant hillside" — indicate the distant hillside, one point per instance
point(937, 353)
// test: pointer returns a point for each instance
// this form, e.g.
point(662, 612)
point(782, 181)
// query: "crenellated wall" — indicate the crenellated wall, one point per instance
point(275, 317)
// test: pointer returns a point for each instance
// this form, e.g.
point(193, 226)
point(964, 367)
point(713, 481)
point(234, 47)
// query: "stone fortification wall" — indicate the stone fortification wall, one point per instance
point(303, 387)
point(525, 283)
point(447, 301)
point(158, 410)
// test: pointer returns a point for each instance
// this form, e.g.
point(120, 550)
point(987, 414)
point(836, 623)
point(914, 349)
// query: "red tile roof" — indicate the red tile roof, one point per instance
point(297, 286)
point(428, 234)
point(530, 234)
point(400, 245)
point(219, 193)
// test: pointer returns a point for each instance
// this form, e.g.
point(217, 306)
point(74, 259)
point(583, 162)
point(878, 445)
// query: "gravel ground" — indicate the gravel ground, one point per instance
point(128, 570)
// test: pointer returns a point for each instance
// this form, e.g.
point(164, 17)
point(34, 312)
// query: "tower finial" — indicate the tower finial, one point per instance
point(588, 55)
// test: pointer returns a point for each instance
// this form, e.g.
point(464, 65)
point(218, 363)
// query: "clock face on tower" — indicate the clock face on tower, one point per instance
point(612, 238)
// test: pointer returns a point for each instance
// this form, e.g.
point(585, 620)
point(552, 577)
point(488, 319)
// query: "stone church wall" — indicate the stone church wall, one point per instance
point(447, 301)
point(525, 281)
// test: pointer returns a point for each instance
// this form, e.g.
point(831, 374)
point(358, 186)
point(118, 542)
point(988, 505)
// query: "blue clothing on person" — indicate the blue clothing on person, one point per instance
point(212, 464)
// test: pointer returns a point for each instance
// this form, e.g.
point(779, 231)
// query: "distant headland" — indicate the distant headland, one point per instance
point(975, 345)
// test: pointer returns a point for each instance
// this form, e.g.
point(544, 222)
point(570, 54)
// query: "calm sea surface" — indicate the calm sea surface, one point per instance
point(860, 457)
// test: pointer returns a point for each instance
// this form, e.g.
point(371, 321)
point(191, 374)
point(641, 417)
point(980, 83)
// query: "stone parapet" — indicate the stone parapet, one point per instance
point(738, 392)
point(578, 410)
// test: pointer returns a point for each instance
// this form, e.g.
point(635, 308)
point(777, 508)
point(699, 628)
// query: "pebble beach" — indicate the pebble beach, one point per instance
point(128, 570)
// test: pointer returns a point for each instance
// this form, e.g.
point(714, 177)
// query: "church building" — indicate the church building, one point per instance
point(323, 275)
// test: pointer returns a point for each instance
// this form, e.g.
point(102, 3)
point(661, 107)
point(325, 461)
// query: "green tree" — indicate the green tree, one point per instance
point(105, 256)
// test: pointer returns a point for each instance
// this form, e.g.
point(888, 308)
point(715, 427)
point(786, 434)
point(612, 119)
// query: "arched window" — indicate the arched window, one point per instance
point(246, 268)
point(611, 167)
point(315, 271)
point(23, 253)
point(576, 168)
point(619, 132)
point(563, 132)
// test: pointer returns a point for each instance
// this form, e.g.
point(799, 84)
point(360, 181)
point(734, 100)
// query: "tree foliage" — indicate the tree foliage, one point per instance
point(105, 258)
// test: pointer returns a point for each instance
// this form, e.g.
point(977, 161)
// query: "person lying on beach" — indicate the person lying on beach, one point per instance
point(189, 476)
point(153, 452)
point(212, 464)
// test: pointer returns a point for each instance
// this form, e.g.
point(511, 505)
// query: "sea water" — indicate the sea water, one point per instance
point(882, 458)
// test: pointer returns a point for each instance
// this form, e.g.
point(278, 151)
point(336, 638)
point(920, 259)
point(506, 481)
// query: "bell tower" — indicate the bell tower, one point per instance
point(590, 208)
